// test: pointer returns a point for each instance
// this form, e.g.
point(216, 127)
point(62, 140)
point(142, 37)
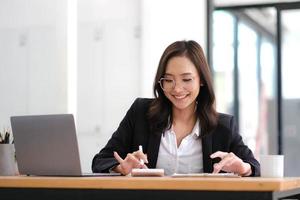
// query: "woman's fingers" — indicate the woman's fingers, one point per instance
point(218, 166)
point(132, 160)
point(218, 154)
point(117, 157)
point(141, 155)
point(229, 163)
point(225, 164)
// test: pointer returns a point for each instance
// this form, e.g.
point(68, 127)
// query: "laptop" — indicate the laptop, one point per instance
point(47, 145)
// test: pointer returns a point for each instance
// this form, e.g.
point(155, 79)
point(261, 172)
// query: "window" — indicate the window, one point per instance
point(255, 65)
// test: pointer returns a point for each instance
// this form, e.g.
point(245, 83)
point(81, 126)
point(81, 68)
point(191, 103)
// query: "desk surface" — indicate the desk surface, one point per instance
point(153, 183)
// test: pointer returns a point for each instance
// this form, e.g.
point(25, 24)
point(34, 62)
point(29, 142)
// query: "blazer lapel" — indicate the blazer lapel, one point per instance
point(207, 151)
point(153, 148)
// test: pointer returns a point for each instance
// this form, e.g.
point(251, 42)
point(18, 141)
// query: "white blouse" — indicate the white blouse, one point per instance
point(187, 158)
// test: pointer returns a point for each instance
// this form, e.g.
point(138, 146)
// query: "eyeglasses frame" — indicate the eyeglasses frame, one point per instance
point(174, 83)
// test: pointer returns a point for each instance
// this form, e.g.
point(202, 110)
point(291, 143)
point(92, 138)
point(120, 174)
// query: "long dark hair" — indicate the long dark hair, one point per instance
point(160, 111)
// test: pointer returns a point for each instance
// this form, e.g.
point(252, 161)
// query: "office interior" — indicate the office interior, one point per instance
point(92, 58)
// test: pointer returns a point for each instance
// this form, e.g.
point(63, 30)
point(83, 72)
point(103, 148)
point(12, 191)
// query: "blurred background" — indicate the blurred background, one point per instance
point(92, 58)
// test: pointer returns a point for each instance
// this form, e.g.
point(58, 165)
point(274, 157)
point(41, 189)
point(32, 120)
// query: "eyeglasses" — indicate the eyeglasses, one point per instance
point(168, 84)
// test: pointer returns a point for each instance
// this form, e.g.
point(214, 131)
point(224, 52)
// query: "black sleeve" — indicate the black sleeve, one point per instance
point(120, 142)
point(238, 147)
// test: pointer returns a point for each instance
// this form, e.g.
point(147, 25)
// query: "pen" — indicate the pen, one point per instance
point(141, 149)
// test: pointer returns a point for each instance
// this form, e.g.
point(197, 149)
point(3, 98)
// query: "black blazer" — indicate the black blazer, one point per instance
point(134, 131)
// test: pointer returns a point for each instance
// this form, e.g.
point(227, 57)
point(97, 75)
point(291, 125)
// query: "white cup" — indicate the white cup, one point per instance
point(272, 166)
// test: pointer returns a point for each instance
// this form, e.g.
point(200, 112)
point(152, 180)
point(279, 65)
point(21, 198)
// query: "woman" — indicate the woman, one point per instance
point(179, 130)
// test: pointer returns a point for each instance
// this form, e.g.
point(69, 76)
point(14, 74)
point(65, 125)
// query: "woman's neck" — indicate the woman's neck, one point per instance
point(183, 122)
point(184, 115)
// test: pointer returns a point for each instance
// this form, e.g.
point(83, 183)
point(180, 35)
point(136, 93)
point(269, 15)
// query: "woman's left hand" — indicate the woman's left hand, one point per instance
point(231, 163)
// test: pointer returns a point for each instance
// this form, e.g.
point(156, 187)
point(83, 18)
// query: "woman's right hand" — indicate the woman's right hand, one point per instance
point(132, 160)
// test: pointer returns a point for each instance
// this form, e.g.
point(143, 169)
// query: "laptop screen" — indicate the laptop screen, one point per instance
point(46, 145)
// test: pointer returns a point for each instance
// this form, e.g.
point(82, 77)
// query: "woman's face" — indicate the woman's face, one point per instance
point(181, 83)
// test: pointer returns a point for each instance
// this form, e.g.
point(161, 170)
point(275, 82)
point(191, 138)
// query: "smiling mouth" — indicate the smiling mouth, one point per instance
point(180, 96)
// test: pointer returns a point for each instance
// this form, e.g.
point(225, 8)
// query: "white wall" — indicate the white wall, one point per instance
point(119, 46)
point(164, 22)
point(32, 58)
point(108, 69)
